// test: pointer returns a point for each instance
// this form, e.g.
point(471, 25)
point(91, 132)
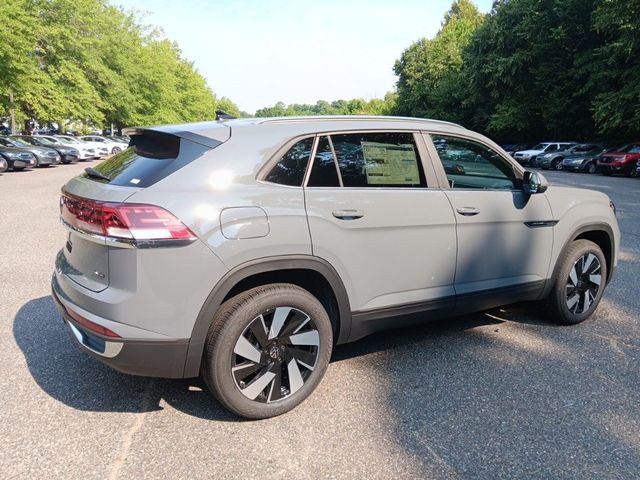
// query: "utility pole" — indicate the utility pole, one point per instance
point(12, 112)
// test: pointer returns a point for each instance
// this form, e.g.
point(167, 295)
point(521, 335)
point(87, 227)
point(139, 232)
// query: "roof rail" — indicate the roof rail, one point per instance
point(320, 118)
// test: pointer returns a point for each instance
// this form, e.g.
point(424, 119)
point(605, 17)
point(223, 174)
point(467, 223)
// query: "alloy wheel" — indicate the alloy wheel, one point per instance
point(275, 354)
point(585, 279)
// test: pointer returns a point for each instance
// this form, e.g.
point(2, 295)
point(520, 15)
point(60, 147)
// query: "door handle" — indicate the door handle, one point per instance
point(468, 211)
point(348, 214)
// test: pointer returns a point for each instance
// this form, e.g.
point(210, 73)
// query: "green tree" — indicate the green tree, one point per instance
point(615, 69)
point(429, 70)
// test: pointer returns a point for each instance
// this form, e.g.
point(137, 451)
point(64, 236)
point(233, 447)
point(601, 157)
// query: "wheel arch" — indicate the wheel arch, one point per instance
point(312, 273)
point(599, 233)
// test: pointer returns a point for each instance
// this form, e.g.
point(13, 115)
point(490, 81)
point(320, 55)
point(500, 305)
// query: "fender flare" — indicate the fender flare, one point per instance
point(248, 269)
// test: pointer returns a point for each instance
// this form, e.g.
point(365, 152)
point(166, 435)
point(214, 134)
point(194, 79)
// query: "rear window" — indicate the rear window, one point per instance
point(149, 158)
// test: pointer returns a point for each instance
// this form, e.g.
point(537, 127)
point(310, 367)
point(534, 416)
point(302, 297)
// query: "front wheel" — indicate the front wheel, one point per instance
point(557, 164)
point(116, 150)
point(578, 284)
point(267, 349)
point(631, 171)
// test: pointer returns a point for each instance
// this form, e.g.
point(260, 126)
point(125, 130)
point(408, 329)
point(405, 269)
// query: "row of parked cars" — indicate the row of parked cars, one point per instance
point(18, 152)
point(580, 157)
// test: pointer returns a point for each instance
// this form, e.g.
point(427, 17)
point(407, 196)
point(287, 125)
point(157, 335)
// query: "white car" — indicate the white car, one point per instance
point(112, 145)
point(84, 152)
point(529, 157)
point(101, 152)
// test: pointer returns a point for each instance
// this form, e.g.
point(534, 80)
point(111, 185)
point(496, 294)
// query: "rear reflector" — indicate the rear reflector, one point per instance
point(122, 220)
point(88, 324)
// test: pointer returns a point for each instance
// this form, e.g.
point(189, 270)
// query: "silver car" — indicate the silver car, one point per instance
point(245, 250)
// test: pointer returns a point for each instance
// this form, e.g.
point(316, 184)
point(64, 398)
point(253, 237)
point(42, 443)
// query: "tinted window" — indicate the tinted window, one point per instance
point(469, 164)
point(323, 171)
point(293, 164)
point(378, 160)
point(149, 158)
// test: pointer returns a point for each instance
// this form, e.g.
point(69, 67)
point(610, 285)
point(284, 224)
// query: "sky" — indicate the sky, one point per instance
point(296, 51)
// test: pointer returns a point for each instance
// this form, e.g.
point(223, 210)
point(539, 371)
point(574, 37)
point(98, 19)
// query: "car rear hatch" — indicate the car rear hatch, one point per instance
point(103, 230)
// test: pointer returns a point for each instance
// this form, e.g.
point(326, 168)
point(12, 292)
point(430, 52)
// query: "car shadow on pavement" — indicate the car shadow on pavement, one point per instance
point(81, 382)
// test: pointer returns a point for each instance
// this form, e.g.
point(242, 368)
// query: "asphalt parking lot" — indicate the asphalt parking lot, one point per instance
point(502, 394)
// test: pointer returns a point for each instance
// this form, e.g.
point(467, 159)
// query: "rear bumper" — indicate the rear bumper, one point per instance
point(145, 357)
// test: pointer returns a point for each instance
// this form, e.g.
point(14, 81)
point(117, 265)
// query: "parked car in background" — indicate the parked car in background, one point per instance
point(553, 160)
point(583, 158)
point(4, 165)
point(17, 158)
point(119, 138)
point(67, 154)
point(84, 152)
point(512, 148)
point(113, 146)
point(44, 156)
point(529, 157)
point(100, 150)
point(245, 250)
point(621, 160)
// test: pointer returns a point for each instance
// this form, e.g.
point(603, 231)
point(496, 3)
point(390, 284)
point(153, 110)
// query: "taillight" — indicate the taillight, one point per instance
point(127, 221)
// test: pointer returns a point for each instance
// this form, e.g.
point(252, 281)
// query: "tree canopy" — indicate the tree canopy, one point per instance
point(530, 69)
point(86, 60)
point(356, 106)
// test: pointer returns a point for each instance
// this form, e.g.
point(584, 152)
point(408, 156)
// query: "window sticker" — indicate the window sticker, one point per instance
point(389, 164)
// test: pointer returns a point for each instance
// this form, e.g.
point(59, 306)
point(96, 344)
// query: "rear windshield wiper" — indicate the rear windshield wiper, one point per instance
point(93, 173)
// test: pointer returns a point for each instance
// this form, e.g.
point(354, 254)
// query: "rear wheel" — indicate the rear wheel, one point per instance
point(267, 349)
point(591, 167)
point(579, 283)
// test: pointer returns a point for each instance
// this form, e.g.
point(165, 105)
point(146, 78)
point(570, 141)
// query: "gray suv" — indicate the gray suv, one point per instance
point(246, 250)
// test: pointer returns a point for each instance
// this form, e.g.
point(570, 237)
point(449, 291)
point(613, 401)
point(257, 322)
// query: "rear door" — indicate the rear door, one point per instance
point(505, 237)
point(375, 217)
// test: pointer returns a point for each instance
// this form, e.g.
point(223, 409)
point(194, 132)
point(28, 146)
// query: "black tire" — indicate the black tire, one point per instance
point(631, 171)
point(570, 281)
point(116, 150)
point(237, 318)
point(556, 164)
point(591, 168)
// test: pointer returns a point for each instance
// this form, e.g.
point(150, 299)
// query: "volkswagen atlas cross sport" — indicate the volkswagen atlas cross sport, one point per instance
point(246, 250)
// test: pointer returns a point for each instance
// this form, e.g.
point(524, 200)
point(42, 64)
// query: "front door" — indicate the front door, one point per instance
point(505, 236)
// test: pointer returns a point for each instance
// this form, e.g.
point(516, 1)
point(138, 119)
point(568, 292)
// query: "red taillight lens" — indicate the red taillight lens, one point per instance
point(122, 220)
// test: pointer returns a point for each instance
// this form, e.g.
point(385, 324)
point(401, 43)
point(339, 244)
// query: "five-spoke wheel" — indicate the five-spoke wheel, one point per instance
point(275, 354)
point(267, 350)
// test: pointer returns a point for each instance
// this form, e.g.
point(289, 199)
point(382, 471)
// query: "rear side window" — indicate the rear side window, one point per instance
point(387, 159)
point(151, 156)
point(292, 166)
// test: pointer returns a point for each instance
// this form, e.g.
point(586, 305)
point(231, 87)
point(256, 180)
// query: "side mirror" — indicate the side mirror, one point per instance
point(534, 182)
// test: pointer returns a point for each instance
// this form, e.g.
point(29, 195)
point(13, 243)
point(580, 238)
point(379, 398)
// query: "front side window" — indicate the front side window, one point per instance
point(469, 164)
point(387, 159)
point(292, 166)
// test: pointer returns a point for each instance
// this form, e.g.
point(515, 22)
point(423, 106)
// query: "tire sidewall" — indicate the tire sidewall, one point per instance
point(219, 377)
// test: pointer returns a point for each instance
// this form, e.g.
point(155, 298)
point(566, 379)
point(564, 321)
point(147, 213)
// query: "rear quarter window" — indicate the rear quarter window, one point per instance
point(149, 158)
